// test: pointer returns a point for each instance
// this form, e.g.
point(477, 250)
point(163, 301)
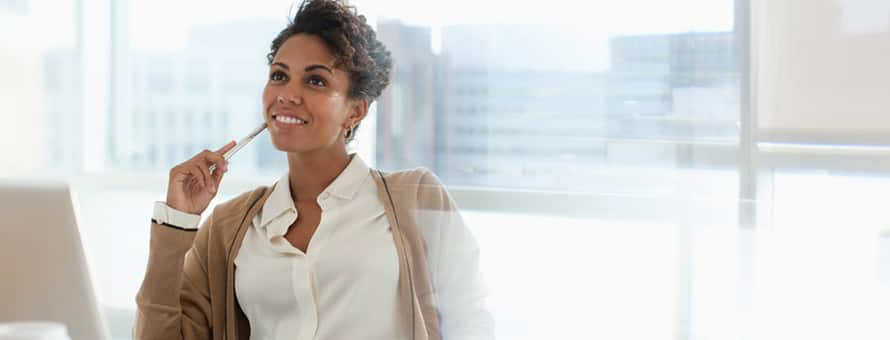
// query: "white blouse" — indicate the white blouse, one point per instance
point(344, 287)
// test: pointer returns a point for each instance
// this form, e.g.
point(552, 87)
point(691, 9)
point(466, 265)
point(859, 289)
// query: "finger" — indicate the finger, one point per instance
point(182, 174)
point(196, 173)
point(176, 174)
point(204, 170)
point(215, 158)
point(226, 148)
point(191, 183)
point(218, 175)
point(221, 169)
point(193, 176)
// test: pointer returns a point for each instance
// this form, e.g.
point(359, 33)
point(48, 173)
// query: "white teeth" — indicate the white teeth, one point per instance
point(289, 120)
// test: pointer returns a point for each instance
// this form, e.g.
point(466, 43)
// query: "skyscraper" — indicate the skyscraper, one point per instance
point(507, 110)
point(482, 114)
point(669, 93)
point(200, 97)
point(511, 116)
point(406, 110)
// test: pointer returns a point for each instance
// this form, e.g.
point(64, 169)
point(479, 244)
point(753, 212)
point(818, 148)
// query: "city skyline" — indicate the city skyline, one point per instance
point(525, 120)
point(463, 112)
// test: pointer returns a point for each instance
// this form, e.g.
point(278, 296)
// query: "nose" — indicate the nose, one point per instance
point(289, 99)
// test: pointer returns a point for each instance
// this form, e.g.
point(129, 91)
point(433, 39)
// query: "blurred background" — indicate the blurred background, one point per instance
point(635, 169)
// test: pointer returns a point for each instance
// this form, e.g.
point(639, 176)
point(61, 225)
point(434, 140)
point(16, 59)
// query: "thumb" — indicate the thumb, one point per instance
point(217, 176)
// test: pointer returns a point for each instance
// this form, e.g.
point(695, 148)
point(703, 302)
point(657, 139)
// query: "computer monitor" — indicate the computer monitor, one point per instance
point(44, 272)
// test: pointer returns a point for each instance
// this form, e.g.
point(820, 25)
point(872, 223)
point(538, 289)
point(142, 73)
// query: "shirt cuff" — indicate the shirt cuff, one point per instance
point(164, 214)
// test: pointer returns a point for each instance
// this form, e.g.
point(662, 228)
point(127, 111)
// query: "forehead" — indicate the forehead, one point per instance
point(303, 49)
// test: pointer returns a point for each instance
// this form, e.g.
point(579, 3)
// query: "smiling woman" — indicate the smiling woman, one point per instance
point(334, 249)
point(309, 103)
point(319, 45)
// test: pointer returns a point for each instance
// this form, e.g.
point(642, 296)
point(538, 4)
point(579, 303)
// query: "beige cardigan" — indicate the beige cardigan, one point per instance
point(189, 287)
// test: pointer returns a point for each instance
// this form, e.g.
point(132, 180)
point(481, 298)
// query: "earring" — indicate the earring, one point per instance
point(349, 133)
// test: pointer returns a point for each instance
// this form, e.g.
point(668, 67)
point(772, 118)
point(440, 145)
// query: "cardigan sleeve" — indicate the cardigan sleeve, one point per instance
point(453, 261)
point(173, 302)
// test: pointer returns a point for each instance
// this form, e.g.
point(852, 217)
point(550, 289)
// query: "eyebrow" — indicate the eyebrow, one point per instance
point(317, 66)
point(307, 69)
point(282, 65)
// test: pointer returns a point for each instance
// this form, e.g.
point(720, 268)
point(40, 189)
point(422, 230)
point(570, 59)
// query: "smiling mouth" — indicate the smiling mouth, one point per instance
point(288, 120)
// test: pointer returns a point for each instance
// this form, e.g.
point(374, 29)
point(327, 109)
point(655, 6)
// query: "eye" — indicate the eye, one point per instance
point(316, 81)
point(278, 76)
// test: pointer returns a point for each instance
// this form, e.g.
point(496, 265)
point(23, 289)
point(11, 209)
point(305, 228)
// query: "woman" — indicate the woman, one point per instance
point(334, 249)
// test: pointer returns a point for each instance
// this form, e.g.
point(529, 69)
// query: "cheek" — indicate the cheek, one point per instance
point(268, 96)
point(326, 107)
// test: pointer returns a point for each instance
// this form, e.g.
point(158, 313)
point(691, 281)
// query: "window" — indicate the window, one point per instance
point(622, 163)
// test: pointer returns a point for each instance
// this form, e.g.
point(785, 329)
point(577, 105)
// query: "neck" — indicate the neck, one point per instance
point(311, 172)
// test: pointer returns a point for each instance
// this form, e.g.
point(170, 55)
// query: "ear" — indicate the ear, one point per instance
point(358, 109)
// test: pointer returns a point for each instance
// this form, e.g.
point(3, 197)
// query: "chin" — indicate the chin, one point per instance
point(289, 146)
point(292, 148)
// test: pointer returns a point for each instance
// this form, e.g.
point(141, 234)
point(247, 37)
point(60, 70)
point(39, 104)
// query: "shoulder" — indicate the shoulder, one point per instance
point(422, 185)
point(413, 177)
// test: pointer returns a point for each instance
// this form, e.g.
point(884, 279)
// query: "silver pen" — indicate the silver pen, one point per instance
point(241, 144)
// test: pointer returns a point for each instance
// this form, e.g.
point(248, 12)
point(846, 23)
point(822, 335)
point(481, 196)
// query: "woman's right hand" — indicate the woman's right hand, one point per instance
point(191, 186)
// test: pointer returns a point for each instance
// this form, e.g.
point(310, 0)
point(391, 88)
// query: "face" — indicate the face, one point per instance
point(306, 101)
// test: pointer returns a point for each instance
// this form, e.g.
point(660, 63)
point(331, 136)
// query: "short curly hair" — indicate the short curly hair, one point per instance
point(348, 35)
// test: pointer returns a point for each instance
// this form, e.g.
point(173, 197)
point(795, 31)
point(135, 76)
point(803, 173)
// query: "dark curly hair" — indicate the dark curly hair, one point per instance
point(348, 35)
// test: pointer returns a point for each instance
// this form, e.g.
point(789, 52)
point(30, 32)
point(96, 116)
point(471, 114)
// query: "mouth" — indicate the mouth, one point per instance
point(288, 119)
